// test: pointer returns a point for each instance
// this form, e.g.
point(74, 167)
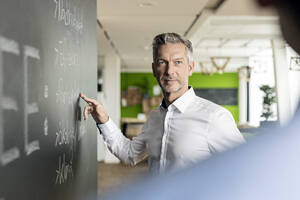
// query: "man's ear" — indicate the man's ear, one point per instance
point(191, 68)
point(265, 3)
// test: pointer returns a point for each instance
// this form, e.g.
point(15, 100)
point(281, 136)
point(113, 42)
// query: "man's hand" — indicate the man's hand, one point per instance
point(95, 108)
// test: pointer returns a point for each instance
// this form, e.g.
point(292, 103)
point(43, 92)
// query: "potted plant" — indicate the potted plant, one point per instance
point(268, 101)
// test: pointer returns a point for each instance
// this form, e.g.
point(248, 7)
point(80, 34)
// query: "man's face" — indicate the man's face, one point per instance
point(172, 68)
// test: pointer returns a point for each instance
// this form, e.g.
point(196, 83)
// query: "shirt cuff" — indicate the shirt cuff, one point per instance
point(107, 127)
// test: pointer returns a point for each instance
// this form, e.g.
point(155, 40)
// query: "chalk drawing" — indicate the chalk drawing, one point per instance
point(46, 91)
point(46, 127)
point(9, 46)
point(9, 104)
point(6, 103)
point(10, 155)
point(29, 52)
point(32, 108)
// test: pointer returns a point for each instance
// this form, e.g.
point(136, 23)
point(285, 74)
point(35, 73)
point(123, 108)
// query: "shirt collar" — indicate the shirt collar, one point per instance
point(182, 102)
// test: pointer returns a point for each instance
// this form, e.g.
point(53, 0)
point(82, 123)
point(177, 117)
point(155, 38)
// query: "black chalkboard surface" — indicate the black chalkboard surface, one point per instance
point(221, 96)
point(47, 57)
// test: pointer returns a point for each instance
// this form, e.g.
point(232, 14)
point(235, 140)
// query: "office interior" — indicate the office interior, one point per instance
point(242, 63)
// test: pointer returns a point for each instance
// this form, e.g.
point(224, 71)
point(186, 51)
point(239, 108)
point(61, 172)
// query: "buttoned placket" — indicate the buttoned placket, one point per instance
point(167, 123)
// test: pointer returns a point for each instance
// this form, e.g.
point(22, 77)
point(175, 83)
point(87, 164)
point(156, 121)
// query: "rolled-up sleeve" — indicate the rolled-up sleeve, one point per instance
point(223, 133)
point(128, 151)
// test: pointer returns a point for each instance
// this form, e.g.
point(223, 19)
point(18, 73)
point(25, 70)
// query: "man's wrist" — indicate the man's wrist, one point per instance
point(102, 120)
point(107, 127)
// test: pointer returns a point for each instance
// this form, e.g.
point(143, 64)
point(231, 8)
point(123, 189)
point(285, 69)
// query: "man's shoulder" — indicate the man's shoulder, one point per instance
point(206, 105)
point(154, 112)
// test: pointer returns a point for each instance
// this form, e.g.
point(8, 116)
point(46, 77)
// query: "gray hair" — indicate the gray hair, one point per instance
point(165, 38)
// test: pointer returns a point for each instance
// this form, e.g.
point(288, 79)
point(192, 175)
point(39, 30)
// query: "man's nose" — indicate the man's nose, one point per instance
point(170, 68)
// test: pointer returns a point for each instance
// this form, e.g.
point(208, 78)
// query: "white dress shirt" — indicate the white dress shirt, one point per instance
point(189, 130)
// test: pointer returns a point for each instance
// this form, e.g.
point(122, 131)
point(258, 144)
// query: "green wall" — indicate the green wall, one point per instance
point(197, 80)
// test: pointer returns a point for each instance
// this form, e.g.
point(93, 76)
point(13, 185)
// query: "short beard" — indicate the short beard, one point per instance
point(168, 91)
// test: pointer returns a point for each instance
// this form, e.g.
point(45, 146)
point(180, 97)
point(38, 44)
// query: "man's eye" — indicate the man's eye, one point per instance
point(161, 62)
point(178, 62)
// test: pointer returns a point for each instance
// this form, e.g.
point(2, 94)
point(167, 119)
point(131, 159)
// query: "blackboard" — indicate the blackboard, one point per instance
point(47, 57)
point(221, 96)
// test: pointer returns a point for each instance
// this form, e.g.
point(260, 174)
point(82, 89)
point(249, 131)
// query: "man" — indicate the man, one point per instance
point(184, 129)
point(267, 168)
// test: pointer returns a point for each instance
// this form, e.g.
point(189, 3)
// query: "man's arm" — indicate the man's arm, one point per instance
point(223, 133)
point(126, 150)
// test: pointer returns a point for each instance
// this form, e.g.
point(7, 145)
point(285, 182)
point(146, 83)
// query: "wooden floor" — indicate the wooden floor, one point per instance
point(113, 176)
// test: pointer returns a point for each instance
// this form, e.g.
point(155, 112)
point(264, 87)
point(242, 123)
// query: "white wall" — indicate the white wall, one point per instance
point(110, 98)
point(281, 80)
point(262, 74)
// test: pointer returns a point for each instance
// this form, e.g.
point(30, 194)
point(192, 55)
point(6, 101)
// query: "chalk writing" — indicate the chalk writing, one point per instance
point(64, 171)
point(65, 134)
point(46, 127)
point(66, 56)
point(29, 52)
point(66, 60)
point(6, 103)
point(67, 93)
point(68, 14)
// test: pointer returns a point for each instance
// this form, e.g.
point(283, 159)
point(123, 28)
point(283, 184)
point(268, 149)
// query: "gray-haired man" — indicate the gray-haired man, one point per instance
point(184, 129)
point(265, 169)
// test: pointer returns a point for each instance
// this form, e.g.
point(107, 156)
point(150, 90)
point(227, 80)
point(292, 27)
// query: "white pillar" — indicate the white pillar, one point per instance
point(243, 96)
point(281, 81)
point(111, 86)
point(111, 94)
point(294, 80)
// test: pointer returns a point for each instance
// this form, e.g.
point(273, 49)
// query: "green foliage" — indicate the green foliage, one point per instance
point(268, 100)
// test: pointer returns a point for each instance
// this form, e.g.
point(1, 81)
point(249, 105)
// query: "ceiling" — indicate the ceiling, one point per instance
point(227, 28)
